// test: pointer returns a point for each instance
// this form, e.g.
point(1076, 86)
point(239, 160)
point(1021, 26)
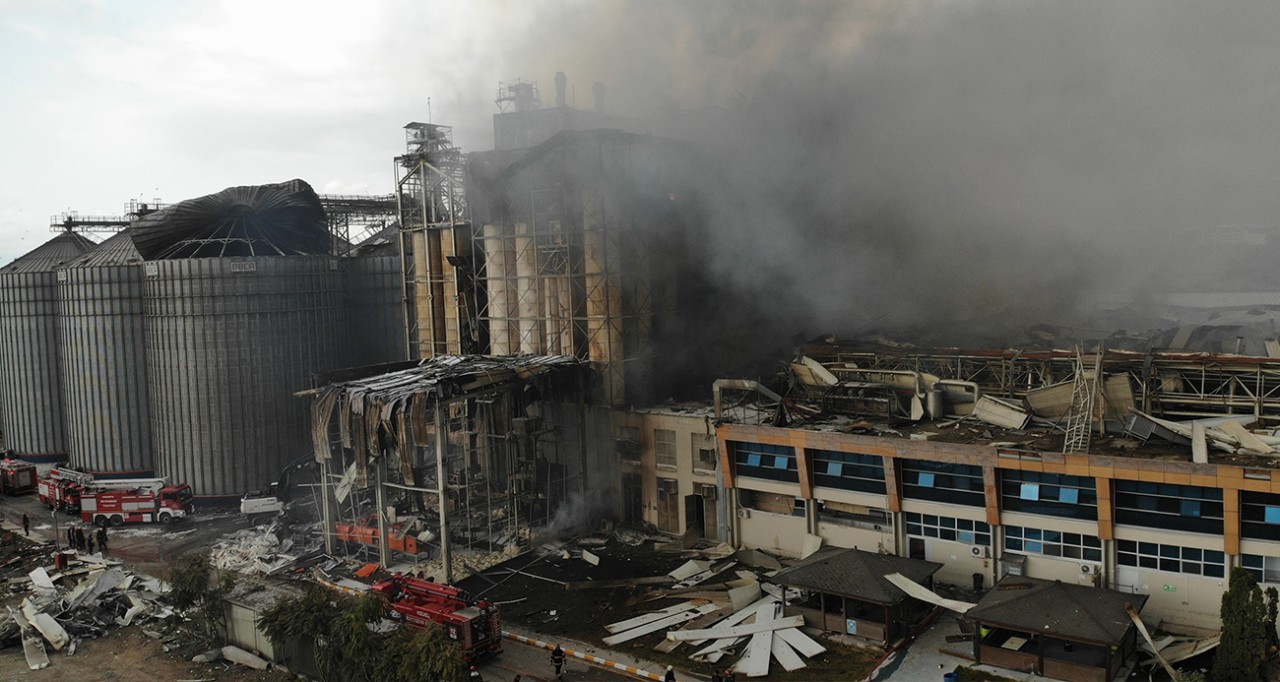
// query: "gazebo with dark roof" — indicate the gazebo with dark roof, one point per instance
point(1054, 629)
point(849, 593)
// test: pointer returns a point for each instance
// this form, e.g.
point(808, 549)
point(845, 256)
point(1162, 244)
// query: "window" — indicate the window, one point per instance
point(704, 452)
point(629, 443)
point(1171, 558)
point(1033, 492)
point(1053, 543)
point(1166, 505)
point(845, 514)
point(948, 528)
point(848, 471)
point(771, 502)
point(943, 482)
point(1260, 515)
point(760, 460)
point(664, 447)
point(1265, 569)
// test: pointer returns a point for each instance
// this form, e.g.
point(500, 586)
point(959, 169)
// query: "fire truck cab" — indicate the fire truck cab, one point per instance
point(473, 623)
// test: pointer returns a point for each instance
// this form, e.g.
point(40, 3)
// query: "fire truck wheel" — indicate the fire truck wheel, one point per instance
point(166, 517)
point(117, 520)
point(100, 521)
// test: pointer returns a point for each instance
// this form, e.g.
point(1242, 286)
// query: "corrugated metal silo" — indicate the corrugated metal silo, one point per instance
point(30, 386)
point(104, 365)
point(375, 330)
point(229, 341)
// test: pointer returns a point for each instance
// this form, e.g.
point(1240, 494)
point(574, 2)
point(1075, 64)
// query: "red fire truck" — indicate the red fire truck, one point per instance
point(471, 622)
point(17, 477)
point(117, 507)
point(62, 487)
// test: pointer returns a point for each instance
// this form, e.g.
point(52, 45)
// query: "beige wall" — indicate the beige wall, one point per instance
point(684, 472)
point(778, 533)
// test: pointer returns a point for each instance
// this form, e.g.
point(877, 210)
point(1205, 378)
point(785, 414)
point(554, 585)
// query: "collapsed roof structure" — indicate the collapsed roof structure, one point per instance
point(475, 449)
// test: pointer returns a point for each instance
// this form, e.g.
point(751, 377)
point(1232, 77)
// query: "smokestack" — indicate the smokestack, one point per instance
point(560, 84)
point(597, 93)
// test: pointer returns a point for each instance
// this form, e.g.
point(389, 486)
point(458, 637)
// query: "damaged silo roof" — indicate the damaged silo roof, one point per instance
point(283, 219)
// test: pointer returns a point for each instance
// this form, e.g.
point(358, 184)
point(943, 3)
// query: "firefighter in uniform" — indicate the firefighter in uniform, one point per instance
point(557, 659)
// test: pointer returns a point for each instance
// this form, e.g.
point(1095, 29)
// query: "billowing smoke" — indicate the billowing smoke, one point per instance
point(921, 162)
point(577, 514)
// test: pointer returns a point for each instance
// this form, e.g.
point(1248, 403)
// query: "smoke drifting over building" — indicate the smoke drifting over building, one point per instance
point(918, 163)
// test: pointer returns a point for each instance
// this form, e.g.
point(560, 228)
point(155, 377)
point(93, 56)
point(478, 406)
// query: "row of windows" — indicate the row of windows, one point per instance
point(1053, 543)
point(1171, 558)
point(761, 460)
point(948, 528)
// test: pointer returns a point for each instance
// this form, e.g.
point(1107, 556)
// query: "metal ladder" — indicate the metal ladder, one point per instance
point(1083, 394)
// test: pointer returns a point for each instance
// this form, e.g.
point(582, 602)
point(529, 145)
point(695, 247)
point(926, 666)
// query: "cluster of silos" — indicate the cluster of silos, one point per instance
point(183, 359)
point(30, 378)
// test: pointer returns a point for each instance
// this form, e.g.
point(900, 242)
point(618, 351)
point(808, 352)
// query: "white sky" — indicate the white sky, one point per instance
point(107, 101)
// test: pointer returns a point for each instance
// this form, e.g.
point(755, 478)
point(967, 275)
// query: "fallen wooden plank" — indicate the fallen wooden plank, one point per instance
point(741, 616)
point(658, 625)
point(624, 582)
point(722, 632)
point(666, 646)
point(689, 569)
point(924, 594)
point(629, 623)
point(786, 656)
point(744, 596)
point(755, 662)
point(706, 575)
point(801, 642)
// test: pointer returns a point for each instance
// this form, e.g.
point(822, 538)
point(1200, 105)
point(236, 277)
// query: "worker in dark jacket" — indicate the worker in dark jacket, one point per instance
point(670, 676)
point(557, 659)
point(26, 525)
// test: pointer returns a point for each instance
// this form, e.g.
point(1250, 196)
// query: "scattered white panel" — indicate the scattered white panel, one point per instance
point(801, 642)
point(624, 625)
point(723, 632)
point(786, 656)
point(755, 663)
point(657, 625)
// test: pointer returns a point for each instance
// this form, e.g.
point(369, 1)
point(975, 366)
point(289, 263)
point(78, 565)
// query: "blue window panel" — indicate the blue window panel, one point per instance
point(780, 462)
point(1272, 515)
point(834, 468)
point(1214, 557)
point(753, 460)
point(926, 479)
point(1030, 491)
point(1035, 547)
point(1191, 508)
point(966, 537)
point(1069, 495)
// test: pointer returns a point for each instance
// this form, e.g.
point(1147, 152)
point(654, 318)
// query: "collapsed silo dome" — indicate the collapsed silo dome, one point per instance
point(282, 219)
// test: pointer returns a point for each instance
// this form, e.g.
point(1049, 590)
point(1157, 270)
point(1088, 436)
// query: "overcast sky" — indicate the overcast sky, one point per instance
point(899, 146)
point(132, 99)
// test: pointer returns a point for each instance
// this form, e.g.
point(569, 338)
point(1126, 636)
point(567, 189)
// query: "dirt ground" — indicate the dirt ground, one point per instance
point(126, 655)
point(551, 610)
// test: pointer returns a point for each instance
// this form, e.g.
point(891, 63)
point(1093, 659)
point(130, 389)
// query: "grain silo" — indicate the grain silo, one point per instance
point(30, 385)
point(104, 366)
point(243, 304)
point(375, 301)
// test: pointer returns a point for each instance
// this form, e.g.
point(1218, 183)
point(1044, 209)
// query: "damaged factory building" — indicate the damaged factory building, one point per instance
point(488, 374)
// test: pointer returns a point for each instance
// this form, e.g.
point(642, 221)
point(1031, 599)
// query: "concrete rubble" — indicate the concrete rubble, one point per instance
point(76, 597)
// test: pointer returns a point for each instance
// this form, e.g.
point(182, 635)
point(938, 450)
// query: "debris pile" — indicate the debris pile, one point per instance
point(741, 614)
point(77, 597)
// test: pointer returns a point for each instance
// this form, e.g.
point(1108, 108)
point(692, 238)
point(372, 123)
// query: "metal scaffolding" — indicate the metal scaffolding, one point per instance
point(450, 458)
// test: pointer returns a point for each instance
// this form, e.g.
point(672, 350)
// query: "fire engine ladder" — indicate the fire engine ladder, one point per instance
point(1083, 394)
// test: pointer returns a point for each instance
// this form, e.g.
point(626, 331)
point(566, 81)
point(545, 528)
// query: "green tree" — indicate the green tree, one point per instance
point(1240, 656)
point(1273, 638)
point(199, 594)
point(349, 644)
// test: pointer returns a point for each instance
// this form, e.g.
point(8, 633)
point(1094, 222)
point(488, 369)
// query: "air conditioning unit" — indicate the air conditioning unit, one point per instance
point(707, 491)
point(980, 551)
point(1088, 569)
point(744, 513)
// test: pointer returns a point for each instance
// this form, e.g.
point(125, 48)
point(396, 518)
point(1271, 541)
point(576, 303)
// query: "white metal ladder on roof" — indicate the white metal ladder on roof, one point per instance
point(1083, 394)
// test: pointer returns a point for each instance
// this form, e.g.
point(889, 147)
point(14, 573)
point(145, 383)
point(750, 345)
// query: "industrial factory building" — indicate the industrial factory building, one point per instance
point(498, 363)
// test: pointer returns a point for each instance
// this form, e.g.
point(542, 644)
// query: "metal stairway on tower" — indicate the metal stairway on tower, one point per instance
point(1083, 395)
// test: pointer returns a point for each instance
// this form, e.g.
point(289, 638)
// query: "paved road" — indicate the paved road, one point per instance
point(534, 665)
point(148, 547)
